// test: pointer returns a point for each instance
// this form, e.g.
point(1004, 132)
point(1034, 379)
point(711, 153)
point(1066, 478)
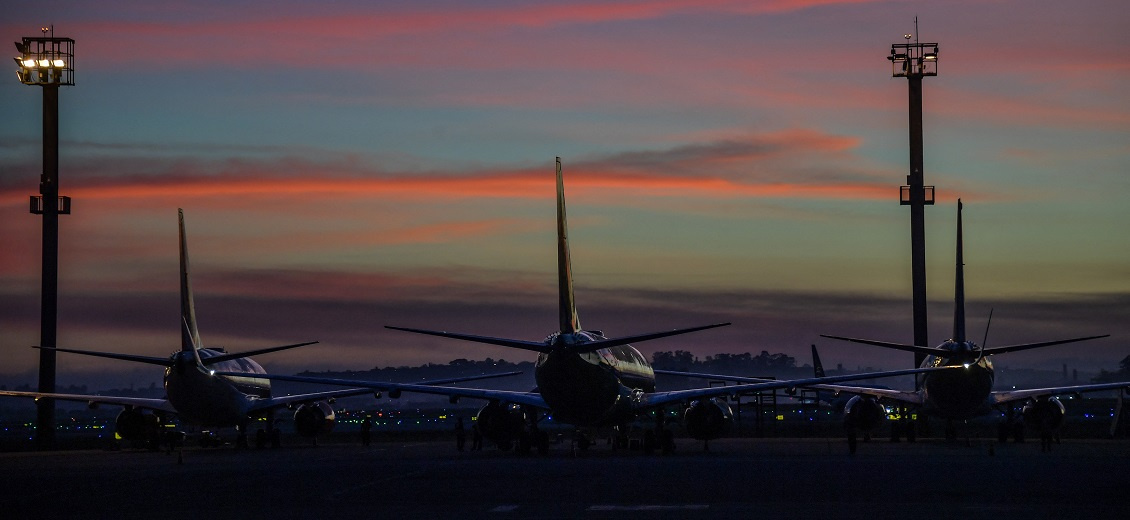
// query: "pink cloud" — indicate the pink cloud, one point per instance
point(319, 39)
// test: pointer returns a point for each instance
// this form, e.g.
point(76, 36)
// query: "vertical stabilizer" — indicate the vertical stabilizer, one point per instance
point(190, 336)
point(570, 323)
point(817, 366)
point(959, 287)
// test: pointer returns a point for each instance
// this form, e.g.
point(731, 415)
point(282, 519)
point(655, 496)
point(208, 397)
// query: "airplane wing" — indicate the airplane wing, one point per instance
point(275, 402)
point(526, 398)
point(1009, 396)
point(661, 398)
point(161, 405)
point(902, 396)
point(278, 402)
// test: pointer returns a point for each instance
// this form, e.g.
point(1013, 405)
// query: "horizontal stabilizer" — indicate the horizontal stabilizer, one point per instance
point(929, 351)
point(163, 361)
point(1026, 346)
point(228, 357)
point(535, 346)
point(615, 342)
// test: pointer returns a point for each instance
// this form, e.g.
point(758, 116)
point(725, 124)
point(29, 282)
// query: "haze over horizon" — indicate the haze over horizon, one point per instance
point(349, 165)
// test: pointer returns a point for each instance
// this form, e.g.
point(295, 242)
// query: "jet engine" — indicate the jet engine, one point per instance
point(313, 419)
point(863, 413)
point(502, 424)
point(707, 419)
point(133, 425)
point(1044, 416)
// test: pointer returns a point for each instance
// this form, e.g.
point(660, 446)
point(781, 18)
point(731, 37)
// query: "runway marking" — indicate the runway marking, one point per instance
point(340, 493)
point(651, 507)
point(508, 508)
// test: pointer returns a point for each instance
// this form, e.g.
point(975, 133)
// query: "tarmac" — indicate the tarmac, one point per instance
point(737, 478)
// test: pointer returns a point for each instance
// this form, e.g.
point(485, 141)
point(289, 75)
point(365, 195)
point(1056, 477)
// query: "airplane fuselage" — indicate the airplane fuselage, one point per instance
point(957, 394)
point(210, 400)
point(592, 388)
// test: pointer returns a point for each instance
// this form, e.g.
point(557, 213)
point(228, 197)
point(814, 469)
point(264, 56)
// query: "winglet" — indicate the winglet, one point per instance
point(570, 323)
point(190, 335)
point(959, 287)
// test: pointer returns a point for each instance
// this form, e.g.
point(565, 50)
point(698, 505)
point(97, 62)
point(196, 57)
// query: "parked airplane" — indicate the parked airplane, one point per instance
point(589, 380)
point(198, 395)
point(961, 394)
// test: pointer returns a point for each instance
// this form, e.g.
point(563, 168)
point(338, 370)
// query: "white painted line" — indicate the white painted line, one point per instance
point(651, 507)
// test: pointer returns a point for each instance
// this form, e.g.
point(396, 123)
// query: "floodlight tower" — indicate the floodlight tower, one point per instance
point(48, 62)
point(915, 61)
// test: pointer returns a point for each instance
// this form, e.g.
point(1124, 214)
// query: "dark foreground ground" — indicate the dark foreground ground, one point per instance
point(741, 478)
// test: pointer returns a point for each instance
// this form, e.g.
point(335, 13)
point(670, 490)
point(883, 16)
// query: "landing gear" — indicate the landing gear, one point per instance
point(659, 437)
point(241, 437)
point(541, 440)
point(582, 441)
point(852, 443)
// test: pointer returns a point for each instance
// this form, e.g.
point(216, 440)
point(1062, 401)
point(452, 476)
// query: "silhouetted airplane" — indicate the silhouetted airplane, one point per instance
point(961, 394)
point(588, 380)
point(198, 395)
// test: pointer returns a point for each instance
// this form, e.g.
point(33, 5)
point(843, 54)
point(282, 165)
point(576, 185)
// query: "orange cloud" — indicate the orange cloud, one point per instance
point(790, 164)
point(528, 185)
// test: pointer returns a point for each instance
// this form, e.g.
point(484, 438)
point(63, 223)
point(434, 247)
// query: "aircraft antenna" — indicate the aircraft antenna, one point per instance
point(959, 286)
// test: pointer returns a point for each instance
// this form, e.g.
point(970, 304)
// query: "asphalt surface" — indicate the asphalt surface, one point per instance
point(738, 478)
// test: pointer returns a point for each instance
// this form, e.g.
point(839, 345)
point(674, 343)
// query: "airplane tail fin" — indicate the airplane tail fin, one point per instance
point(959, 286)
point(817, 367)
point(190, 335)
point(567, 306)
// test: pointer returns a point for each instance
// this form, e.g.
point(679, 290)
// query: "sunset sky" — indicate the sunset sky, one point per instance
point(347, 165)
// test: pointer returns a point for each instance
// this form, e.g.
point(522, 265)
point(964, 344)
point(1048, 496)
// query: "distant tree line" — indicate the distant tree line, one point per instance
point(1122, 374)
point(728, 363)
point(454, 368)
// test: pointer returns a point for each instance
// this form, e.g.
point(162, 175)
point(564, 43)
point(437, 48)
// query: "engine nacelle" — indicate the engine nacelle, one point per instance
point(501, 424)
point(707, 419)
point(132, 425)
point(864, 413)
point(1044, 416)
point(313, 419)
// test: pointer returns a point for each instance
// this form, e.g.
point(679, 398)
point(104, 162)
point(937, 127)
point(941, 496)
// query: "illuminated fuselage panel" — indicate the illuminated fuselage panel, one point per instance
point(209, 400)
point(958, 394)
point(592, 388)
